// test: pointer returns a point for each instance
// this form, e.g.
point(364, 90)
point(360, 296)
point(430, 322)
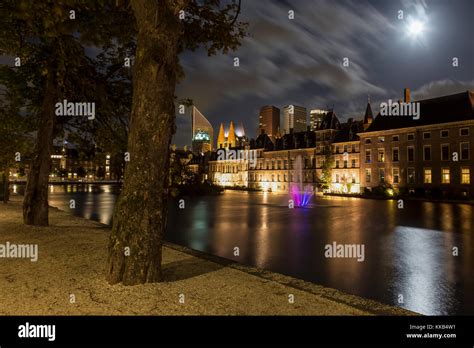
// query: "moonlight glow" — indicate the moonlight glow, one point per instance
point(416, 28)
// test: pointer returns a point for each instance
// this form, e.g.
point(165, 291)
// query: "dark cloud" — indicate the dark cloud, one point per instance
point(299, 61)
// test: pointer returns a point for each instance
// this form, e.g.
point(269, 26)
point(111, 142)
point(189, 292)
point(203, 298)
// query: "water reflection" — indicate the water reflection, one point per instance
point(407, 251)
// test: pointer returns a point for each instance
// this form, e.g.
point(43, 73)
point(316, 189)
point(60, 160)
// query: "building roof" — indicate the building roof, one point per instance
point(349, 131)
point(329, 121)
point(450, 108)
point(368, 117)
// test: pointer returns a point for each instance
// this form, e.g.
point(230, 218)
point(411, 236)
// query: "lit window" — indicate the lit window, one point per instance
point(381, 175)
point(368, 175)
point(445, 176)
point(368, 156)
point(396, 175)
point(411, 175)
point(427, 176)
point(381, 139)
point(381, 155)
point(395, 154)
point(465, 176)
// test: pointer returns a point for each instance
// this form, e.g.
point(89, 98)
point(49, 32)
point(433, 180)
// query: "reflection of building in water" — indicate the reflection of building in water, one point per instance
point(202, 133)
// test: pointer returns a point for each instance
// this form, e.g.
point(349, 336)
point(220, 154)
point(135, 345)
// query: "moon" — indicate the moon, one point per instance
point(416, 28)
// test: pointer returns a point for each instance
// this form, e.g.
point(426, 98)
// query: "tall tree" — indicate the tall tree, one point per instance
point(165, 29)
point(48, 39)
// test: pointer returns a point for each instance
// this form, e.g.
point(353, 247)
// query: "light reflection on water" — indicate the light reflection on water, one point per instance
point(408, 251)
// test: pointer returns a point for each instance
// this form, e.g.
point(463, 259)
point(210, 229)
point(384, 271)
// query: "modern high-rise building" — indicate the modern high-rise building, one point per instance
point(203, 133)
point(269, 121)
point(294, 117)
point(315, 118)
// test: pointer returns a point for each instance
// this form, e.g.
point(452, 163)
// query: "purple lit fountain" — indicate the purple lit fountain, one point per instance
point(300, 195)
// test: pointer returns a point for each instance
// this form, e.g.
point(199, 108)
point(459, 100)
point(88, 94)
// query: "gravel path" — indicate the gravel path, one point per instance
point(68, 279)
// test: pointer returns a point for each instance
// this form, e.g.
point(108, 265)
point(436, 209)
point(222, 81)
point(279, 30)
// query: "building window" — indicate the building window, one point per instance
point(353, 148)
point(464, 151)
point(381, 175)
point(337, 163)
point(381, 139)
point(410, 136)
point(464, 132)
point(368, 141)
point(395, 154)
point(411, 175)
point(444, 134)
point(337, 178)
point(345, 148)
point(445, 176)
point(427, 176)
point(345, 163)
point(368, 175)
point(426, 135)
point(396, 175)
point(395, 138)
point(444, 152)
point(353, 178)
point(353, 164)
point(381, 155)
point(411, 153)
point(368, 156)
point(465, 176)
point(427, 153)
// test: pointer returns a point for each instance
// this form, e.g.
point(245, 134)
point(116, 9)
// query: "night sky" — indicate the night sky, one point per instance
point(299, 61)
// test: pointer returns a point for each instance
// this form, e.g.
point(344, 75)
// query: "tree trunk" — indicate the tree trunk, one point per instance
point(35, 203)
point(140, 214)
point(6, 188)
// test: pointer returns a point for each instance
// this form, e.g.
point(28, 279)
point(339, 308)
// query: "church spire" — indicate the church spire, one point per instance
point(368, 117)
point(221, 137)
point(231, 137)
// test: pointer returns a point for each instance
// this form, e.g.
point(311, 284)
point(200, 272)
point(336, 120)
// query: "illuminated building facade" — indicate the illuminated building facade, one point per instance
point(432, 155)
point(232, 138)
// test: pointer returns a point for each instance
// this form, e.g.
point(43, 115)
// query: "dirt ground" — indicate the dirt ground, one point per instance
point(68, 279)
